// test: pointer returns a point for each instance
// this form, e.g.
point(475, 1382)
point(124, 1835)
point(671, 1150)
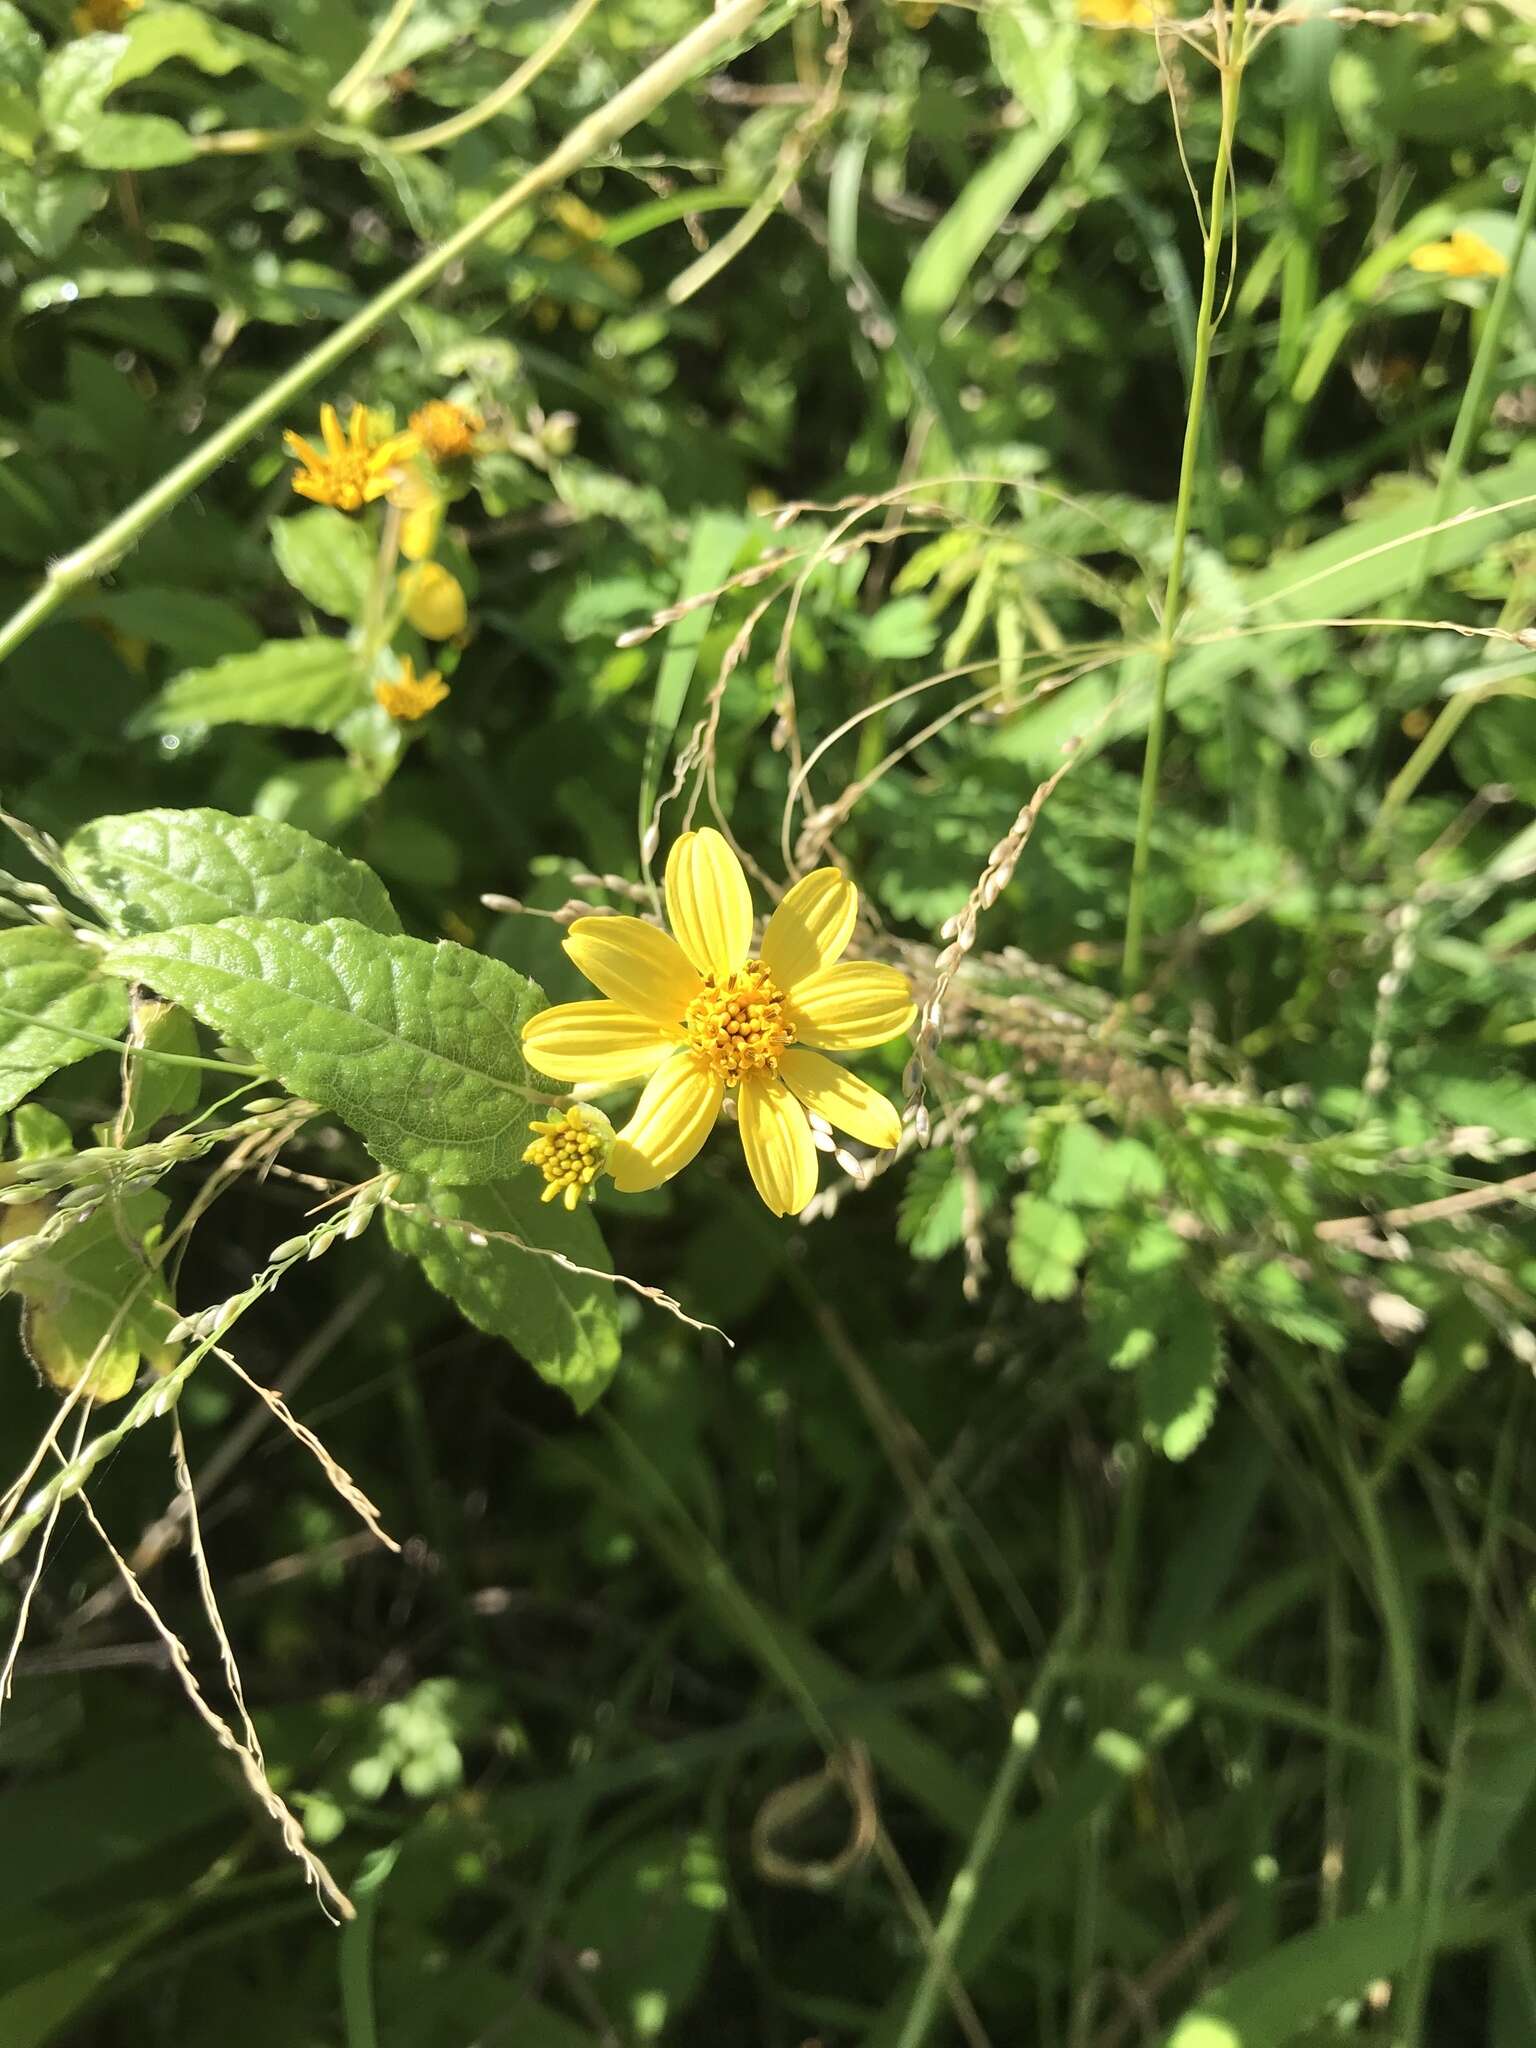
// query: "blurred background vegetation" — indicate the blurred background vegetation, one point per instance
point(1121, 1499)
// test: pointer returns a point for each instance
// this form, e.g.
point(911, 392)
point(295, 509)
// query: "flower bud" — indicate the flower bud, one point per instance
point(434, 601)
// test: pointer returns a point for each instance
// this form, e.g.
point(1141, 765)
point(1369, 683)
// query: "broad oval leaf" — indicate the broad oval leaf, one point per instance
point(327, 557)
point(565, 1325)
point(417, 1046)
point(304, 683)
point(51, 981)
point(148, 871)
point(135, 142)
point(97, 1307)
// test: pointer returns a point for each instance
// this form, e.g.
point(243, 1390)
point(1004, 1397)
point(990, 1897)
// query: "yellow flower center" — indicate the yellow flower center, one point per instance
point(570, 1151)
point(737, 1023)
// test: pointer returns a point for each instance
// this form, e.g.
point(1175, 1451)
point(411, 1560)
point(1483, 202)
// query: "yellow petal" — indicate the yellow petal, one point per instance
point(637, 965)
point(842, 1098)
point(598, 1042)
point(777, 1141)
point(856, 1004)
point(330, 429)
point(811, 926)
point(673, 1117)
point(709, 905)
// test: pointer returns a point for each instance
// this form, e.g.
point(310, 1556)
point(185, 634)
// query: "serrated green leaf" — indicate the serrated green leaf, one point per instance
point(309, 684)
point(932, 1218)
point(899, 631)
point(135, 142)
point(416, 1046)
point(566, 1326)
point(74, 82)
point(327, 557)
point(36, 1133)
point(148, 871)
point(1045, 1248)
point(96, 1302)
point(154, 38)
point(1095, 1172)
point(49, 977)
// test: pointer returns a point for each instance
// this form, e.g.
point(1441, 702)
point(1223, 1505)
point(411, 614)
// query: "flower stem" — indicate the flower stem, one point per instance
point(585, 141)
point(1173, 596)
point(509, 90)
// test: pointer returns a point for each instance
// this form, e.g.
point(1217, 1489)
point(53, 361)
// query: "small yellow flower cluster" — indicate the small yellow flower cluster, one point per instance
point(576, 241)
point(570, 1151)
point(1462, 255)
point(411, 696)
point(1118, 13)
point(446, 431)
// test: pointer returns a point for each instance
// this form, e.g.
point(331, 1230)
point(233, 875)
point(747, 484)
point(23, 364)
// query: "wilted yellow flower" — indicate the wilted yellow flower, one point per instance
point(434, 601)
point(1118, 13)
point(355, 468)
point(411, 696)
point(700, 1013)
point(446, 431)
point(571, 1151)
point(1462, 255)
point(92, 15)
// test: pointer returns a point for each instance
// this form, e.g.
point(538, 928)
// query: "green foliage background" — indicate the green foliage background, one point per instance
point(1071, 1588)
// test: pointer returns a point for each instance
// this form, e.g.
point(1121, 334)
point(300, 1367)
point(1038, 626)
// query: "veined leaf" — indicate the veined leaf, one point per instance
point(49, 977)
point(96, 1303)
point(148, 871)
point(327, 557)
point(416, 1046)
point(135, 142)
point(305, 683)
point(1045, 1248)
point(566, 1326)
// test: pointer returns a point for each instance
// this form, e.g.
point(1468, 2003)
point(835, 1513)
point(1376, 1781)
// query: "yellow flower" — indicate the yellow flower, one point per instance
point(571, 1151)
point(411, 696)
point(92, 15)
point(434, 601)
point(1118, 13)
point(699, 1013)
point(446, 431)
point(1464, 255)
point(355, 469)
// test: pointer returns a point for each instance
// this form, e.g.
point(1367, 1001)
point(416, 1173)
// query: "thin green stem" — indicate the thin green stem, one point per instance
point(355, 1956)
point(132, 1052)
point(1474, 404)
point(509, 90)
point(585, 141)
point(374, 52)
point(1173, 595)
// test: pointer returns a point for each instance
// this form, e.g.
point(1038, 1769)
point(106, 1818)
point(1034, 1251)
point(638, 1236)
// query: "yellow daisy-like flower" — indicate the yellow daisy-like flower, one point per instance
point(698, 1013)
point(94, 15)
point(411, 696)
point(1462, 255)
point(1118, 13)
point(570, 1151)
point(446, 431)
point(434, 601)
point(355, 468)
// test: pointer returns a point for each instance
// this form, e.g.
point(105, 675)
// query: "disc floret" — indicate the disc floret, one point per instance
point(739, 1023)
point(571, 1151)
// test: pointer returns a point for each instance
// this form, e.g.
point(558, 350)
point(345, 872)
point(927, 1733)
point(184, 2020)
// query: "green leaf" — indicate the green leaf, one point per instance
point(1150, 1318)
point(1095, 1172)
point(163, 32)
point(150, 870)
point(564, 1324)
point(303, 683)
point(153, 1088)
point(1268, 2003)
point(49, 977)
point(416, 1046)
point(717, 538)
point(135, 142)
point(21, 60)
point(650, 1913)
point(96, 1303)
point(899, 631)
point(44, 212)
point(188, 624)
point(328, 558)
point(932, 1220)
point(1045, 1248)
point(75, 80)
